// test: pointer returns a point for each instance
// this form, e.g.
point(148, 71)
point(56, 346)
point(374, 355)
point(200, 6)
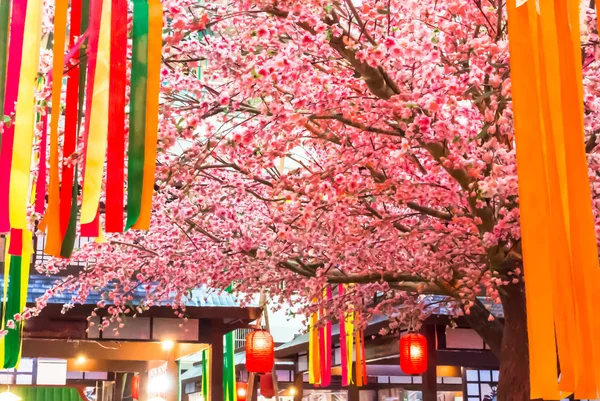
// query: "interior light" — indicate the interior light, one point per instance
point(167, 345)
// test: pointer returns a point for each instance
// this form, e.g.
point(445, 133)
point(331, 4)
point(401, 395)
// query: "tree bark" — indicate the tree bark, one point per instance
point(513, 383)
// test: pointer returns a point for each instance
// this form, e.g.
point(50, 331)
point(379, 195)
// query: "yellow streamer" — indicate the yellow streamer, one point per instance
point(314, 367)
point(350, 344)
point(96, 146)
point(155, 25)
point(25, 117)
point(52, 216)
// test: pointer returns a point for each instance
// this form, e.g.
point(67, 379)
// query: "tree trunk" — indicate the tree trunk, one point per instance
point(514, 355)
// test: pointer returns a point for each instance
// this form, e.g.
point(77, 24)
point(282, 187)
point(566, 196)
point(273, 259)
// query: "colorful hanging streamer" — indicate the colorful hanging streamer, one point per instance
point(17, 29)
point(96, 90)
point(16, 281)
point(54, 239)
point(151, 125)
point(557, 225)
point(4, 24)
point(25, 117)
point(206, 373)
point(115, 162)
point(229, 390)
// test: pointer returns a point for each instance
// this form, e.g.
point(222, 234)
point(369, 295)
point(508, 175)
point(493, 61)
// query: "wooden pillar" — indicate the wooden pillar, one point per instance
point(216, 366)
point(430, 376)
point(144, 385)
point(353, 393)
point(299, 386)
point(172, 390)
point(119, 385)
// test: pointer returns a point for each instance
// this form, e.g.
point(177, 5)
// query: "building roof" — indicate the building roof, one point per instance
point(299, 344)
point(200, 297)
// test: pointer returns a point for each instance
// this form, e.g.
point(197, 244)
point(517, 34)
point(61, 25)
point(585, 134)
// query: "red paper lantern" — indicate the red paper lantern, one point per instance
point(266, 385)
point(260, 352)
point(135, 387)
point(413, 354)
point(241, 390)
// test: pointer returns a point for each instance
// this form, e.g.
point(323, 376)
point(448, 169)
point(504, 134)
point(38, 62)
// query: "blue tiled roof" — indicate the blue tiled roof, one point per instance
point(201, 297)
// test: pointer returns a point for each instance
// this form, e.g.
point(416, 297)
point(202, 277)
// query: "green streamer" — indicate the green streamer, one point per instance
point(137, 116)
point(204, 375)
point(229, 390)
point(12, 340)
point(85, 21)
point(4, 14)
point(68, 243)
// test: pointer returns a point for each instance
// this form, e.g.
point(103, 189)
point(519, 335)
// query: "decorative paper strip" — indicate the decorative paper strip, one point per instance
point(206, 360)
point(343, 340)
point(17, 27)
point(116, 121)
point(314, 367)
point(40, 189)
point(90, 229)
point(71, 120)
point(584, 251)
point(229, 391)
point(98, 128)
point(6, 273)
point(4, 24)
point(363, 359)
point(322, 353)
point(328, 345)
point(16, 242)
point(557, 226)
point(155, 18)
point(349, 346)
point(137, 116)
point(25, 117)
point(54, 237)
point(16, 296)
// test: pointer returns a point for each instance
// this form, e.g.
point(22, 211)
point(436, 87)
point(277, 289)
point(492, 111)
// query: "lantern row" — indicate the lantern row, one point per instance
point(94, 115)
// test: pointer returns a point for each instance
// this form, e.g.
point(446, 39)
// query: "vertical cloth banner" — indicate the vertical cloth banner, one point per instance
point(25, 117)
point(137, 118)
point(229, 391)
point(17, 29)
point(97, 129)
point(206, 374)
point(102, 89)
point(557, 225)
point(54, 233)
point(16, 281)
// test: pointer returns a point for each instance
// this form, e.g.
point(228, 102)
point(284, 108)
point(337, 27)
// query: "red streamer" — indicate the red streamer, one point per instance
point(16, 242)
point(71, 121)
point(40, 184)
point(116, 119)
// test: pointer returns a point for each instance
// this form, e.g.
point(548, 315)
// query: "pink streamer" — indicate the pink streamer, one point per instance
point(322, 359)
point(343, 342)
point(40, 185)
point(17, 26)
point(326, 373)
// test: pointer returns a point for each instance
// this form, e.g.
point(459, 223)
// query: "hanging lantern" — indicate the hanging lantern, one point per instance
point(260, 352)
point(266, 385)
point(135, 387)
point(413, 354)
point(241, 390)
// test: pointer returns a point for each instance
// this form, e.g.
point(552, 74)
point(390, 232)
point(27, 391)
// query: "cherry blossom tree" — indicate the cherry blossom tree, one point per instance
point(313, 143)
